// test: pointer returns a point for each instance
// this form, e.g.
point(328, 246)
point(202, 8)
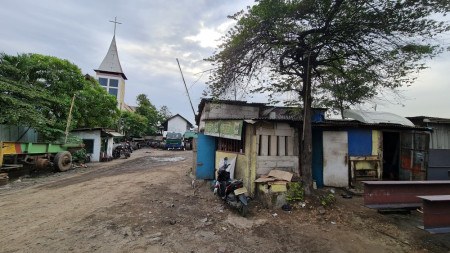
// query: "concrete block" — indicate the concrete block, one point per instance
point(278, 188)
point(285, 163)
point(263, 188)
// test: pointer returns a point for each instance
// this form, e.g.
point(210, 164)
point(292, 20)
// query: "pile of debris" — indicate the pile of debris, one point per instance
point(276, 177)
point(271, 189)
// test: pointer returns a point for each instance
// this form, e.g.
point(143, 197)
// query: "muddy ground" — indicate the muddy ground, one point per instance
point(148, 204)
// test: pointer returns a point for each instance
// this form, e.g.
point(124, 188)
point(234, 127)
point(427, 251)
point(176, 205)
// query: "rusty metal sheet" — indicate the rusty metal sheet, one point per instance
point(401, 194)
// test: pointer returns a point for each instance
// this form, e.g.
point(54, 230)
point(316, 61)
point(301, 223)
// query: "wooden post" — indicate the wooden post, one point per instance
point(69, 118)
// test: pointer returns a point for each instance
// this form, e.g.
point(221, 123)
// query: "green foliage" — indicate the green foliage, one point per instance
point(327, 200)
point(133, 124)
point(165, 113)
point(79, 156)
point(37, 91)
point(148, 110)
point(294, 192)
point(94, 107)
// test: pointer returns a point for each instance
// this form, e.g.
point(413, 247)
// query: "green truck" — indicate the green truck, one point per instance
point(174, 141)
point(39, 155)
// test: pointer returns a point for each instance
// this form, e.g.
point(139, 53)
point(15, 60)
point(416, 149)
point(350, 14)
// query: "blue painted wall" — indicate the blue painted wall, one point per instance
point(317, 157)
point(206, 152)
point(359, 142)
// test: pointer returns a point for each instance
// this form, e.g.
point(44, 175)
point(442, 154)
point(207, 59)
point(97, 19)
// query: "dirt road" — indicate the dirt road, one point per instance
point(147, 204)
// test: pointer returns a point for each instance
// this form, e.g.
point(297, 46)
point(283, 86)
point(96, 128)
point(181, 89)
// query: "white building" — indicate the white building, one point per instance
point(177, 124)
point(110, 75)
point(98, 141)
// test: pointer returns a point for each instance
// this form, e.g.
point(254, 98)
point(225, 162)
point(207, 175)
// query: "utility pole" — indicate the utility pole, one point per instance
point(186, 87)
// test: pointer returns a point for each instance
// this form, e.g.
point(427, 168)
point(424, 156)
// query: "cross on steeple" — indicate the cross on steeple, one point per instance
point(115, 22)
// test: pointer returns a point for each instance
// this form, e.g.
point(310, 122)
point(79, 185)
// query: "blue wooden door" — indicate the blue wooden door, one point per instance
point(317, 158)
point(206, 151)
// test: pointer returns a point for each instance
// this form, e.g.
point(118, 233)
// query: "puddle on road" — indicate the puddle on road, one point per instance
point(168, 159)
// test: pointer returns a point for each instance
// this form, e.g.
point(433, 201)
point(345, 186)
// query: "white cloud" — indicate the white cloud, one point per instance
point(210, 36)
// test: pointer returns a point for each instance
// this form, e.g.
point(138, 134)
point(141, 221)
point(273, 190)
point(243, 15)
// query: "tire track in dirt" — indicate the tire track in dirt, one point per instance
point(136, 165)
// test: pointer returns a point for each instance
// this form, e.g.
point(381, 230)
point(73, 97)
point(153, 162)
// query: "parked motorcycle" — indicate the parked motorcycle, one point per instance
point(128, 147)
point(232, 191)
point(119, 151)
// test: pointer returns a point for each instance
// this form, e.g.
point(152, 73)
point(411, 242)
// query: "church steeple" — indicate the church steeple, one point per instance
point(111, 63)
point(110, 74)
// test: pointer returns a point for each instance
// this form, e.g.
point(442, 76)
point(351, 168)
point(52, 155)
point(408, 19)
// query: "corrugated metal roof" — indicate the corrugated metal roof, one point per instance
point(377, 117)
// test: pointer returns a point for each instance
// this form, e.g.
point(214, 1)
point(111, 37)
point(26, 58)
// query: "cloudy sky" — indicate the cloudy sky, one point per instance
point(153, 34)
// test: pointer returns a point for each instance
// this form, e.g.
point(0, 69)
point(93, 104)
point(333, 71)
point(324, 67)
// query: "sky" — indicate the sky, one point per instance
point(153, 34)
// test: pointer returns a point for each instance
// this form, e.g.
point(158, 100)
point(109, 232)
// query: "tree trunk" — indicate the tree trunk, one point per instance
point(306, 137)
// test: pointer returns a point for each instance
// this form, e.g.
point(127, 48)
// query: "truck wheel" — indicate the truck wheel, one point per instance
point(188, 146)
point(62, 161)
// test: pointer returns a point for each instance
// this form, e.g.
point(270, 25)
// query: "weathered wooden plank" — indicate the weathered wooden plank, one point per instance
point(273, 145)
point(264, 150)
point(290, 146)
point(281, 146)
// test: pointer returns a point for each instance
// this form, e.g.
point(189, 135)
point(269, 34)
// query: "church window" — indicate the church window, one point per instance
point(110, 85)
point(113, 91)
point(113, 83)
point(103, 81)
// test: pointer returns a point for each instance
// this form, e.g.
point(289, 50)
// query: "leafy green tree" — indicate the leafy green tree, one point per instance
point(20, 102)
point(300, 40)
point(133, 124)
point(148, 110)
point(165, 113)
point(37, 91)
point(49, 77)
point(337, 93)
point(94, 107)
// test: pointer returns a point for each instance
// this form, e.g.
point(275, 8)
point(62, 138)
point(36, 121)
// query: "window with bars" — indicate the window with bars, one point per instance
point(230, 145)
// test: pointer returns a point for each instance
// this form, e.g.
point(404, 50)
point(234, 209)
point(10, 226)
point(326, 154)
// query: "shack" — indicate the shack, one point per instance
point(439, 157)
point(261, 138)
point(368, 146)
point(98, 141)
point(264, 138)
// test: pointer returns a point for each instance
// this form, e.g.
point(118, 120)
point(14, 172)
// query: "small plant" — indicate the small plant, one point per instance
point(327, 199)
point(79, 156)
point(294, 192)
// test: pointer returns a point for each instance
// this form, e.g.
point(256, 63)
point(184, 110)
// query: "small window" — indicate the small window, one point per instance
point(103, 81)
point(231, 145)
point(113, 83)
point(113, 91)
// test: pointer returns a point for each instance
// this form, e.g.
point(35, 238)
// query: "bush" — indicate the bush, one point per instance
point(327, 200)
point(294, 192)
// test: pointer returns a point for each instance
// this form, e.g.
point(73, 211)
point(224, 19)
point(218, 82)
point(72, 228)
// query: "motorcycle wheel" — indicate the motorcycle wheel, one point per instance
point(243, 210)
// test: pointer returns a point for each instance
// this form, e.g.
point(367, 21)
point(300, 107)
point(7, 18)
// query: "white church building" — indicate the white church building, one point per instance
point(110, 74)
